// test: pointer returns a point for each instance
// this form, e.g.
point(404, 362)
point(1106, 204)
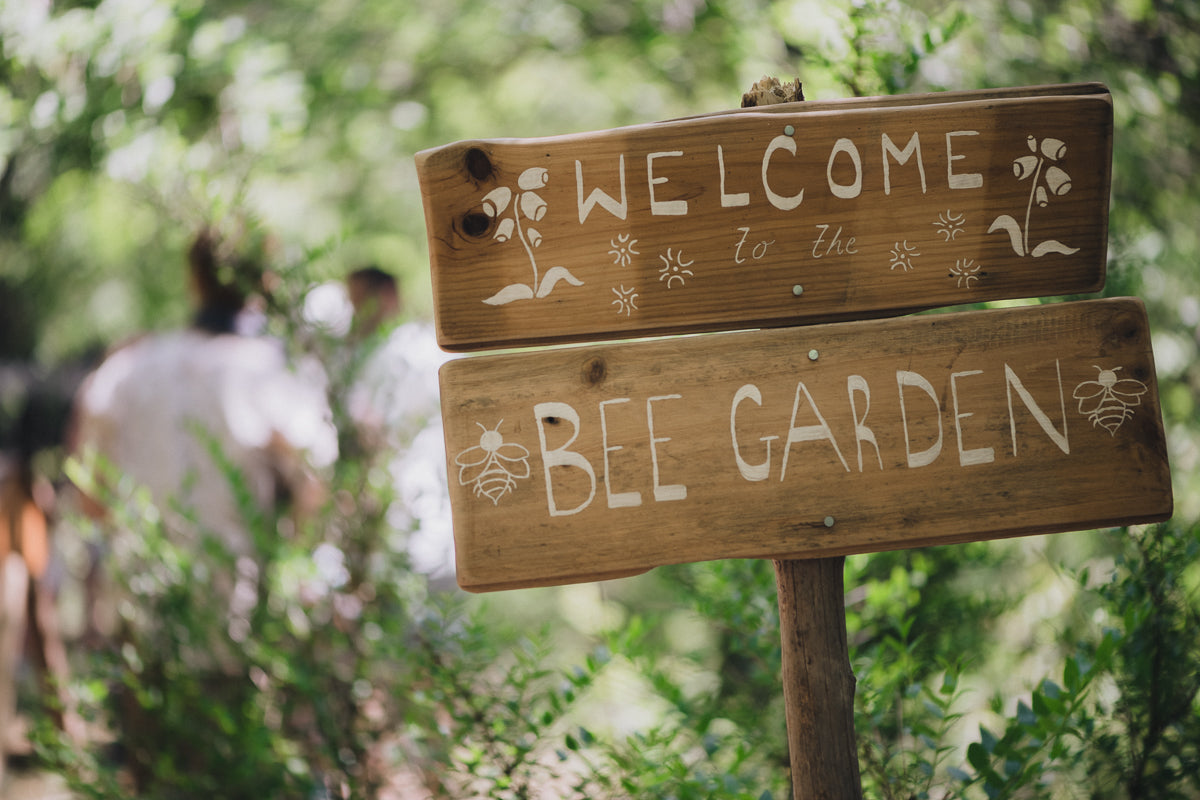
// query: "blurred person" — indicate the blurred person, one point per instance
point(375, 298)
point(28, 615)
point(158, 407)
point(31, 569)
point(215, 425)
point(396, 408)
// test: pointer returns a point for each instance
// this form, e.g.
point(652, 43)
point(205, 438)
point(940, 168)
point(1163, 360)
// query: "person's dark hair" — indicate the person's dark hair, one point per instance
point(375, 297)
point(373, 278)
point(220, 283)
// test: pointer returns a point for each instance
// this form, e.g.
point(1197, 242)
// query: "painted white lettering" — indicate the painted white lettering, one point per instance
point(621, 499)
point(808, 433)
point(675, 491)
point(751, 472)
point(927, 456)
point(561, 456)
point(902, 157)
point(663, 208)
point(757, 252)
point(858, 384)
point(964, 180)
point(978, 455)
point(778, 200)
point(846, 191)
point(737, 251)
point(1013, 382)
point(597, 197)
point(729, 200)
point(834, 246)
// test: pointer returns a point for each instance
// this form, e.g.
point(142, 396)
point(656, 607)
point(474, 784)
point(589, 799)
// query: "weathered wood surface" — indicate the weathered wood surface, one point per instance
point(818, 681)
point(591, 462)
point(774, 216)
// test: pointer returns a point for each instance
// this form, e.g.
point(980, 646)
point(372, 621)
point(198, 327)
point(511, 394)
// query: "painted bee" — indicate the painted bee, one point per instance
point(1108, 401)
point(493, 467)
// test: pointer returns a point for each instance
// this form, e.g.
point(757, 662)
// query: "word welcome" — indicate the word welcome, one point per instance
point(658, 166)
point(760, 219)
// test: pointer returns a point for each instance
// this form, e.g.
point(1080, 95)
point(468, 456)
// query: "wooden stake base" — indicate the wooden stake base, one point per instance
point(818, 683)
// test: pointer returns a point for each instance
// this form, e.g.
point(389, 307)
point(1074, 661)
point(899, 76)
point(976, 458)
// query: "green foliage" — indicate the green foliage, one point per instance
point(1123, 718)
point(903, 724)
point(1151, 748)
point(880, 47)
point(125, 124)
point(1045, 740)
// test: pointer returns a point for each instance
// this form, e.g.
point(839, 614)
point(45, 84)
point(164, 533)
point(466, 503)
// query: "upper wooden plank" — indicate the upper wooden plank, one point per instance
point(588, 462)
point(792, 214)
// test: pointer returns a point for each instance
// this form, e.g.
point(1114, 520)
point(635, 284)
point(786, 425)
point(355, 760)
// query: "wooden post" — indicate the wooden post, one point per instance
point(818, 684)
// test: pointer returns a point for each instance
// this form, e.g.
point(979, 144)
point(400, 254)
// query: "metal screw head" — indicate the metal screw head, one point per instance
point(813, 355)
point(797, 290)
point(829, 522)
point(789, 131)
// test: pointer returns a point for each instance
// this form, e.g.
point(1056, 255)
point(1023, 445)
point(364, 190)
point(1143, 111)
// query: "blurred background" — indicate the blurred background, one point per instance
point(1060, 666)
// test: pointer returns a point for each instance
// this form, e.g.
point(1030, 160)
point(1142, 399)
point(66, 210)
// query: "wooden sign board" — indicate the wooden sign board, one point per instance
point(591, 462)
point(792, 214)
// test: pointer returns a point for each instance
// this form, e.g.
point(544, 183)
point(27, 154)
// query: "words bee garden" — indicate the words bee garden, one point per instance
point(588, 462)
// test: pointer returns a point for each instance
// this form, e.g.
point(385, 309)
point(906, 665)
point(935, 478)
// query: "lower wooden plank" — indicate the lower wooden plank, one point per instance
point(582, 463)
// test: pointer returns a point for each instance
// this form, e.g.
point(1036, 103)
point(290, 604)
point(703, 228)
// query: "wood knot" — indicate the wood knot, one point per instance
point(476, 224)
point(1124, 330)
point(478, 164)
point(594, 371)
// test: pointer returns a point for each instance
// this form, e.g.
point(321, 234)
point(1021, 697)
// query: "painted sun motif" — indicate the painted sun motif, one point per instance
point(675, 268)
point(902, 255)
point(622, 250)
point(950, 225)
point(966, 270)
point(625, 300)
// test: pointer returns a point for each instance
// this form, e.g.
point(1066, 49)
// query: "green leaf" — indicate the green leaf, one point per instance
point(986, 740)
point(958, 774)
point(1071, 674)
point(978, 756)
point(1025, 715)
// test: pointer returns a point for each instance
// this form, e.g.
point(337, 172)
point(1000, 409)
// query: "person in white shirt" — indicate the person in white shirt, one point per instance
point(396, 408)
point(157, 407)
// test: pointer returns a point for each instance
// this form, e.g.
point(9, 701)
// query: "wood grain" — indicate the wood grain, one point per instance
point(699, 224)
point(818, 681)
point(853, 437)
